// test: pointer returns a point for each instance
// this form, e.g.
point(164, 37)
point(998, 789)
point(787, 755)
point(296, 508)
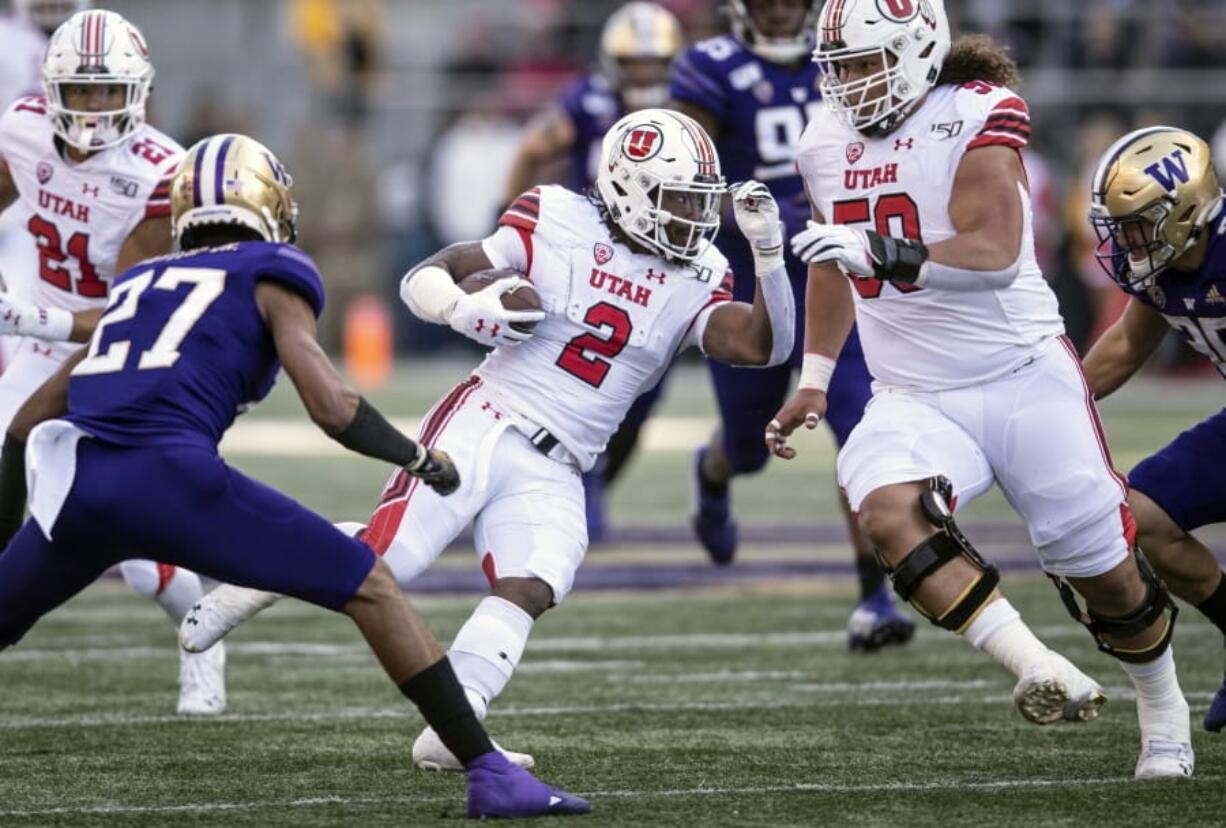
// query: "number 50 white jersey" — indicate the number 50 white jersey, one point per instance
point(900, 185)
point(614, 318)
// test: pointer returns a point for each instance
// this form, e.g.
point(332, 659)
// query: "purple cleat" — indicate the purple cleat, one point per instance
point(593, 502)
point(711, 516)
point(877, 623)
point(498, 789)
point(1215, 716)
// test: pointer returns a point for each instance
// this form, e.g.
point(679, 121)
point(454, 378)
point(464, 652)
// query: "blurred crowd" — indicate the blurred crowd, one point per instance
point(405, 151)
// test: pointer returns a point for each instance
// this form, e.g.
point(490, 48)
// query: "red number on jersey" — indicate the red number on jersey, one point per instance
point(980, 87)
point(894, 206)
point(151, 150)
point(51, 255)
point(615, 333)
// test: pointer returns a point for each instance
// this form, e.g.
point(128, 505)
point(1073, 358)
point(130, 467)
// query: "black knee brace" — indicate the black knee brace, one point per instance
point(1157, 602)
point(935, 552)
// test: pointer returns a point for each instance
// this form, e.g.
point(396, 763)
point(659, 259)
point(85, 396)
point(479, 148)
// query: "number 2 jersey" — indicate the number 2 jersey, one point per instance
point(614, 319)
point(81, 212)
point(182, 347)
point(900, 185)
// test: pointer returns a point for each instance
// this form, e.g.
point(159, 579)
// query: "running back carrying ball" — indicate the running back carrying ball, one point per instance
point(522, 297)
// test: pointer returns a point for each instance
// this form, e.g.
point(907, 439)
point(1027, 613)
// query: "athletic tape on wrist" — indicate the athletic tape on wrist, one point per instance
point(815, 372)
point(431, 294)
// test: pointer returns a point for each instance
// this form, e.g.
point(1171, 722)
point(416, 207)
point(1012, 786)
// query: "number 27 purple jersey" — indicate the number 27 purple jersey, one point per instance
point(182, 347)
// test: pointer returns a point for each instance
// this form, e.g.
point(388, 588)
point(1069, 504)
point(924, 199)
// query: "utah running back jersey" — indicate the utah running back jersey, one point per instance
point(614, 318)
point(762, 109)
point(1193, 302)
point(21, 59)
point(900, 185)
point(182, 347)
point(592, 107)
point(82, 213)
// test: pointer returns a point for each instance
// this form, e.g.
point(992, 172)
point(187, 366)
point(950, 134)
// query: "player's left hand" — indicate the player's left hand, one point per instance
point(15, 316)
point(437, 470)
point(757, 214)
point(864, 254)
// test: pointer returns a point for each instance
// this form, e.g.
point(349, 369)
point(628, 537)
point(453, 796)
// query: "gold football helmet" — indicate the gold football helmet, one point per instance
point(1153, 192)
point(233, 180)
point(637, 44)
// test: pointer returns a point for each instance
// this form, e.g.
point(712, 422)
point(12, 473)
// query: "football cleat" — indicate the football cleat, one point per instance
point(1055, 690)
point(876, 622)
point(223, 609)
point(1215, 716)
point(429, 753)
point(711, 516)
point(1166, 760)
point(498, 788)
point(593, 503)
point(202, 682)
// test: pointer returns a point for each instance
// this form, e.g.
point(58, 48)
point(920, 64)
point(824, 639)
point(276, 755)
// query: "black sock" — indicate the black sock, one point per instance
point(1214, 607)
point(438, 695)
point(871, 575)
point(707, 483)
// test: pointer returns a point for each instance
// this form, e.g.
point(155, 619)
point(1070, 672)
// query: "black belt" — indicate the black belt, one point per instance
point(544, 441)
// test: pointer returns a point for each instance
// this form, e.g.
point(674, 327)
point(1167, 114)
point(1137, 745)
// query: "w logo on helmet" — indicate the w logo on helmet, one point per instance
point(1172, 166)
point(642, 142)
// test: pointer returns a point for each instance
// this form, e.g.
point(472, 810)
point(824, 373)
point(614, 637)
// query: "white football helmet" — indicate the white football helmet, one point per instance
point(660, 180)
point(912, 39)
point(48, 14)
point(97, 48)
point(775, 49)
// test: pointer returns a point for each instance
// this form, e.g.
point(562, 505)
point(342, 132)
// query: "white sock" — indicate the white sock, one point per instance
point(174, 589)
point(487, 649)
point(1158, 689)
point(1000, 632)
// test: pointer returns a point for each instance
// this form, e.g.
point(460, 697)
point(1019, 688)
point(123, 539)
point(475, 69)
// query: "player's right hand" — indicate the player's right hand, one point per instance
point(757, 217)
point(807, 407)
point(437, 470)
point(15, 316)
point(481, 317)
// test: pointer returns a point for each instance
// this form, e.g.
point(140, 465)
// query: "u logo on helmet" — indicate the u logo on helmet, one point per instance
point(900, 11)
point(642, 142)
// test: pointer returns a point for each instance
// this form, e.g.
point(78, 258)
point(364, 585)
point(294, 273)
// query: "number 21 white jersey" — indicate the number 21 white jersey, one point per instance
point(900, 185)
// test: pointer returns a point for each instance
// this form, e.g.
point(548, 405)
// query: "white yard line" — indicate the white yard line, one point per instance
point(596, 796)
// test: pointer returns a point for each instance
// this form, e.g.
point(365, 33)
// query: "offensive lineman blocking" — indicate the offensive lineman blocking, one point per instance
point(628, 278)
point(975, 381)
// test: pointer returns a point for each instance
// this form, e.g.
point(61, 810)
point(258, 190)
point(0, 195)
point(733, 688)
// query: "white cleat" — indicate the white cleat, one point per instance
point(202, 682)
point(1056, 690)
point(220, 611)
point(429, 753)
point(1166, 760)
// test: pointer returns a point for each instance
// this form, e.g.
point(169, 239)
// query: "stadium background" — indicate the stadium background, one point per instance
point(671, 692)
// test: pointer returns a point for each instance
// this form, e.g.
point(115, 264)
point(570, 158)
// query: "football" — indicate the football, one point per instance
point(523, 297)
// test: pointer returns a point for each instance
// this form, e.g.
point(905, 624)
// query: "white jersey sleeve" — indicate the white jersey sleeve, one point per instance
point(901, 185)
point(505, 249)
point(698, 327)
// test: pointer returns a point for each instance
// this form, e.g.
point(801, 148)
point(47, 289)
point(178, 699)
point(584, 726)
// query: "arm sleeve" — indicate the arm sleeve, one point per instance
point(158, 203)
point(696, 80)
point(293, 268)
point(1004, 119)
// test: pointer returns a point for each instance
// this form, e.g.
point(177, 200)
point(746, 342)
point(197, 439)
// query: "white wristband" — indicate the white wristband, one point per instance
point(50, 324)
point(431, 293)
point(815, 372)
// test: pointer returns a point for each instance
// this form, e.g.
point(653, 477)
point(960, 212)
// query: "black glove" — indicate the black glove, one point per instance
point(898, 260)
point(436, 469)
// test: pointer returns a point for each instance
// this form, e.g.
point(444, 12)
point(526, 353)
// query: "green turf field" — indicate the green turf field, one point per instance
point(730, 706)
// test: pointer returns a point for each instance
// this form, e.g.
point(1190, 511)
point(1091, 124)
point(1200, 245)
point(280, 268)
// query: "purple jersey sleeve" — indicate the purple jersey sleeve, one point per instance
point(698, 78)
point(294, 269)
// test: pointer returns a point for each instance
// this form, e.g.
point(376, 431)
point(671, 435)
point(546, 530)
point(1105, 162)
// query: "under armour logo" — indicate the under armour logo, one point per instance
point(652, 275)
point(486, 406)
point(901, 144)
point(493, 331)
point(87, 189)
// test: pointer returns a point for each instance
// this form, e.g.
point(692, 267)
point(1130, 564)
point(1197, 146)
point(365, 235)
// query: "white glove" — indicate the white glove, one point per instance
point(835, 243)
point(757, 216)
point(21, 319)
point(481, 317)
